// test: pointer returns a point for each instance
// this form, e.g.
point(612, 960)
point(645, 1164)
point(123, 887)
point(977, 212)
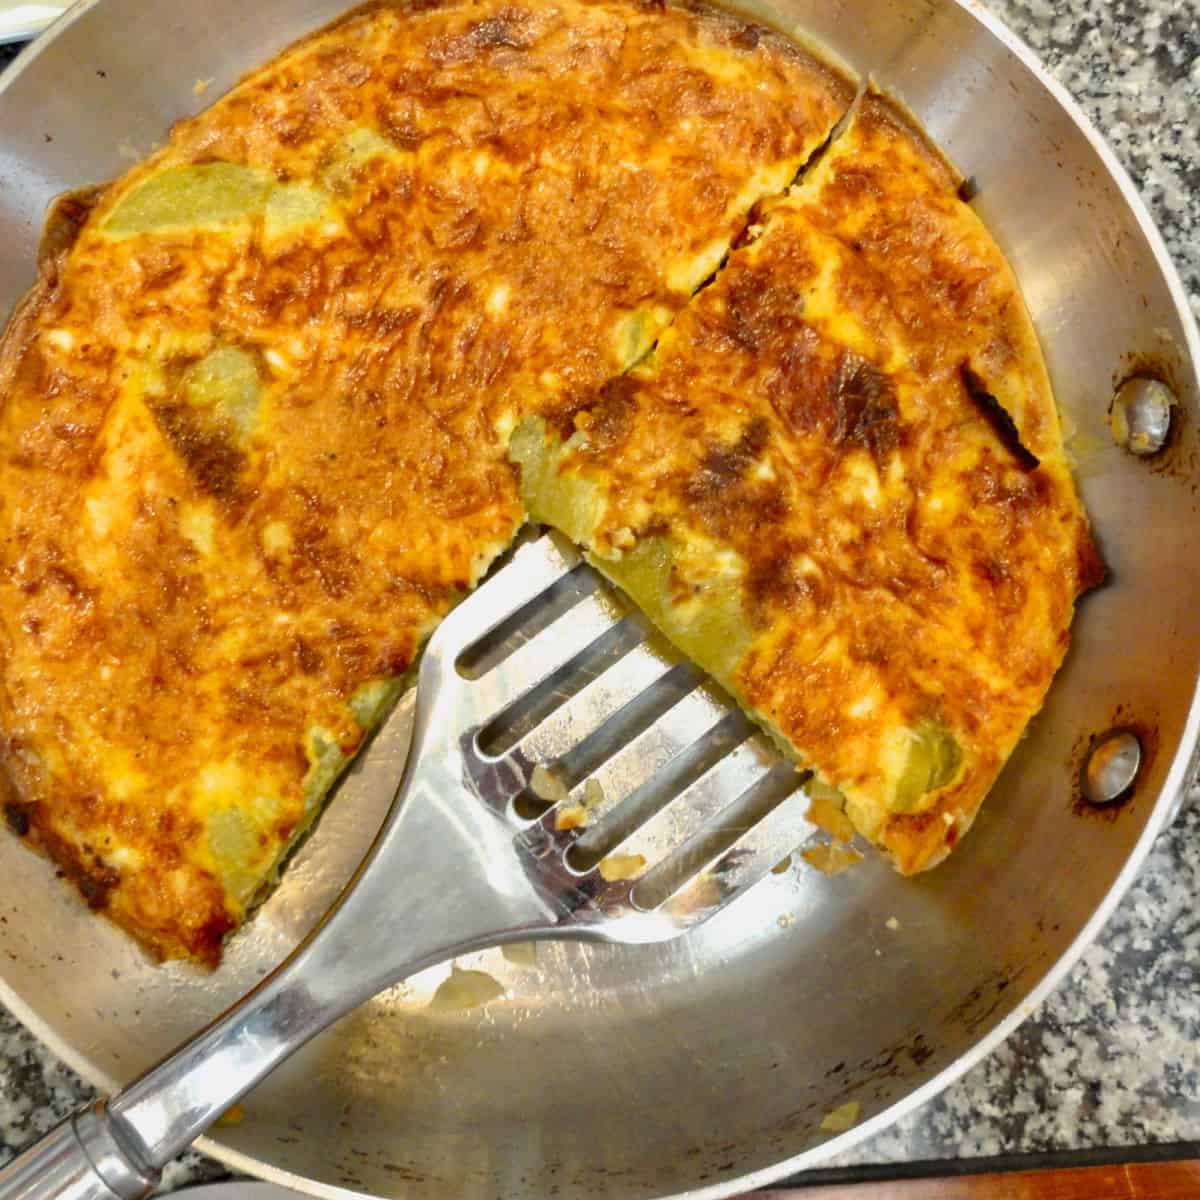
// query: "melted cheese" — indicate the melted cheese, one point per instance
point(823, 513)
point(255, 420)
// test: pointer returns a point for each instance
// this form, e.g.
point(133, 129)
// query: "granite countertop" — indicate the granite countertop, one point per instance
point(1113, 1056)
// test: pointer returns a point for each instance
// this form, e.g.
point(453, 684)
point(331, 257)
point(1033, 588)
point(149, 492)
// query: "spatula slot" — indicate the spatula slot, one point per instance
point(667, 784)
point(527, 712)
point(484, 655)
point(628, 722)
point(708, 848)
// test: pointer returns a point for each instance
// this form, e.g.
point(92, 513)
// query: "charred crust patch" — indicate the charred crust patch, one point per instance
point(67, 216)
point(400, 126)
point(1090, 567)
point(840, 396)
point(733, 504)
point(212, 461)
point(323, 558)
point(507, 30)
point(206, 944)
point(761, 316)
point(610, 410)
point(95, 884)
point(18, 818)
point(747, 38)
point(722, 467)
point(848, 402)
point(772, 581)
point(999, 418)
point(94, 879)
point(863, 403)
point(308, 659)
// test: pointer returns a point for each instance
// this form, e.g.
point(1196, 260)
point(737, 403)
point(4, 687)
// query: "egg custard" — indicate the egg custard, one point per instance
point(838, 484)
point(255, 413)
point(286, 389)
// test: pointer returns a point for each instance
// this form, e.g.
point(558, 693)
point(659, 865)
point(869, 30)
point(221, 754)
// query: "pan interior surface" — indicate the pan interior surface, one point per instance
point(709, 1063)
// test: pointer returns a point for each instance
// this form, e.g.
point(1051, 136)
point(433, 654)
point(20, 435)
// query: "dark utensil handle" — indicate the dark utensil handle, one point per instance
point(1178, 1180)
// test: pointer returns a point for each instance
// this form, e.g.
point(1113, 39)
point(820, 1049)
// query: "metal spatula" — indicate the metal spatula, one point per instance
point(567, 778)
point(24, 19)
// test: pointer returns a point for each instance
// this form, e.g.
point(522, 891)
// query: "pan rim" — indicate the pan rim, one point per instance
point(1161, 815)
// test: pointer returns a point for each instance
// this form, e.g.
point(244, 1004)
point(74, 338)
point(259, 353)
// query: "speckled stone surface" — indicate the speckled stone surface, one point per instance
point(1113, 1057)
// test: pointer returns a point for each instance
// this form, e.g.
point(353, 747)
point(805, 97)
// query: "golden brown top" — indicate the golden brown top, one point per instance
point(814, 486)
point(254, 416)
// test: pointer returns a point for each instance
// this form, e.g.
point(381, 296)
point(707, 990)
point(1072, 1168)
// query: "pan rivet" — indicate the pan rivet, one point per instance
point(1112, 767)
point(1140, 416)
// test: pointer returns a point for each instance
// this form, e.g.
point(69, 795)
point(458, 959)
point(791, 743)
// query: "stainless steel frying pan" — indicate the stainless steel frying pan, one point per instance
point(702, 1067)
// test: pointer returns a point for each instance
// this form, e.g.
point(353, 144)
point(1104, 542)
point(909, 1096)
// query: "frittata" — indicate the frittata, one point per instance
point(255, 414)
point(839, 485)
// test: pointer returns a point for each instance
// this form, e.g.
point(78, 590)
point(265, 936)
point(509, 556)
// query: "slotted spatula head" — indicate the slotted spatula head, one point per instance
point(635, 789)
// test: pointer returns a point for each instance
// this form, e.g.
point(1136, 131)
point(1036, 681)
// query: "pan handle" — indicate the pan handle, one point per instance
point(79, 1160)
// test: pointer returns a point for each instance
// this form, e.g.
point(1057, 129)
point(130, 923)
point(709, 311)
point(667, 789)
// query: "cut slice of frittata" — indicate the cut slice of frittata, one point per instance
point(839, 486)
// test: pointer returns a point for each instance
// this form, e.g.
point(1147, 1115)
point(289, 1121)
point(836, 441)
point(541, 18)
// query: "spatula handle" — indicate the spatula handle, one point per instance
point(79, 1160)
point(26, 19)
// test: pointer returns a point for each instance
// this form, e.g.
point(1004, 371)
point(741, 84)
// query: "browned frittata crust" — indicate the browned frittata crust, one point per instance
point(255, 414)
point(839, 483)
